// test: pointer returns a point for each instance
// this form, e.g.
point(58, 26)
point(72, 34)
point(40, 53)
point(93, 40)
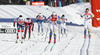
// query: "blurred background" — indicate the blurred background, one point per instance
point(53, 3)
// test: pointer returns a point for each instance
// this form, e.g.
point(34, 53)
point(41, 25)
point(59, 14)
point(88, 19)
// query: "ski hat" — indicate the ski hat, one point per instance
point(28, 18)
point(63, 16)
point(87, 8)
point(20, 16)
point(53, 13)
point(40, 14)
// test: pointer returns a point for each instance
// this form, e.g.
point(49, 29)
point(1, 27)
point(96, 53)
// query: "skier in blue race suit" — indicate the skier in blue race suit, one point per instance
point(40, 19)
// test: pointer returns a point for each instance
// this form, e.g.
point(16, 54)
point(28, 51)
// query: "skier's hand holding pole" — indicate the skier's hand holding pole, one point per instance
point(46, 20)
point(81, 16)
point(14, 24)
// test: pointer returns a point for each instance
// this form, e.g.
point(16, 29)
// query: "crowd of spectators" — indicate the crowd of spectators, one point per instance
point(47, 2)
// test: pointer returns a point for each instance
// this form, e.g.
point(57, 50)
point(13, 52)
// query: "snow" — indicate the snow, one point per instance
point(71, 44)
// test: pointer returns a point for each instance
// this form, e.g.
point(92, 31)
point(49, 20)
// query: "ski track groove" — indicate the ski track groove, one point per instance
point(68, 43)
point(9, 48)
point(83, 46)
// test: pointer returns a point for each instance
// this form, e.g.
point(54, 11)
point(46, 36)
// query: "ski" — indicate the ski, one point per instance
point(52, 47)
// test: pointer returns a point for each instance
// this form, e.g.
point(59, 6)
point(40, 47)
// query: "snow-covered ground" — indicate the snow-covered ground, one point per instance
point(71, 44)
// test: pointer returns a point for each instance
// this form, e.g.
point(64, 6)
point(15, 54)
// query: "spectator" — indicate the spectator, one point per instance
point(57, 2)
point(24, 2)
point(41, 0)
point(84, 0)
point(62, 2)
point(67, 2)
point(28, 2)
point(73, 1)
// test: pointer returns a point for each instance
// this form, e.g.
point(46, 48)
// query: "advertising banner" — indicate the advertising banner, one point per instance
point(38, 3)
point(95, 6)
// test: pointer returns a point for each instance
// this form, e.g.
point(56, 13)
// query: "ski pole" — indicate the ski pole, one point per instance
point(46, 32)
point(59, 30)
point(33, 35)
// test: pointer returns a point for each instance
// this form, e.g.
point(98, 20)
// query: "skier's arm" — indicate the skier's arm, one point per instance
point(44, 18)
point(14, 21)
point(32, 25)
point(26, 23)
point(59, 18)
point(92, 15)
point(83, 14)
point(37, 18)
point(66, 19)
point(47, 18)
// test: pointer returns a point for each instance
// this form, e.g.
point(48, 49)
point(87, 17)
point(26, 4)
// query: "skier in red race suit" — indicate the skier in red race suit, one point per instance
point(28, 25)
point(53, 23)
point(20, 27)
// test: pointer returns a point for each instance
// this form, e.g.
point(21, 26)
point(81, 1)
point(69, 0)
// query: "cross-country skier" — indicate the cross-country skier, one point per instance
point(87, 22)
point(20, 27)
point(28, 25)
point(40, 19)
point(53, 23)
point(63, 23)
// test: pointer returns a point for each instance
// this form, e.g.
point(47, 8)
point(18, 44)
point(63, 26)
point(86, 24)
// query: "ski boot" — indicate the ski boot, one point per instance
point(21, 42)
point(38, 34)
point(49, 41)
point(16, 41)
point(42, 34)
point(54, 42)
point(24, 37)
point(84, 36)
point(29, 38)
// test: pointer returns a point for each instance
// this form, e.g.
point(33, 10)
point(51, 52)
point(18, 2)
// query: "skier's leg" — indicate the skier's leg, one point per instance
point(18, 32)
point(25, 32)
point(54, 30)
point(89, 29)
point(38, 26)
point(22, 31)
point(61, 28)
point(51, 30)
point(64, 27)
point(29, 31)
point(85, 27)
point(42, 26)
point(50, 36)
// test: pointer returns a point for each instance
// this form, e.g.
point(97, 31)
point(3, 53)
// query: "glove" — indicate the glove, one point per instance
point(45, 20)
point(36, 20)
point(32, 29)
point(13, 25)
point(81, 16)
